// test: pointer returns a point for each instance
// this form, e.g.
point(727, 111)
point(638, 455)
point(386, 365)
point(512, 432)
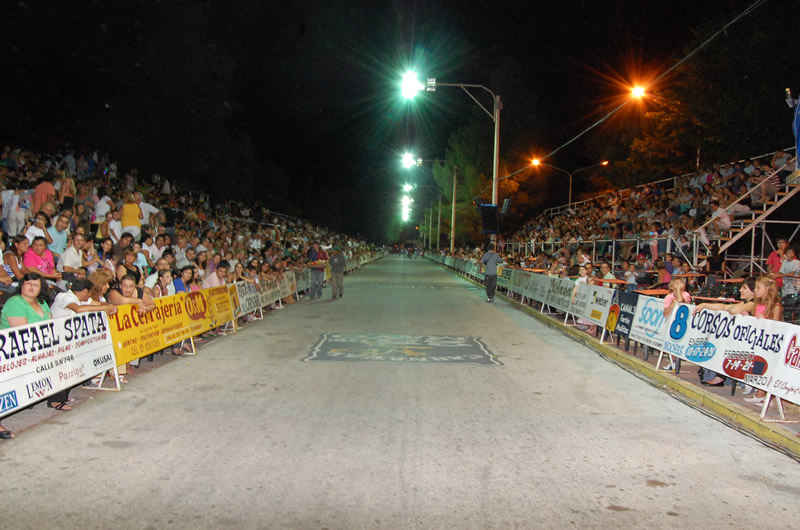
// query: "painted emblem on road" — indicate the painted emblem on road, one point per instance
point(401, 348)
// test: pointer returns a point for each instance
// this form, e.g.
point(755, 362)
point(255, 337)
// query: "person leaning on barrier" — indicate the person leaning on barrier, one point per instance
point(338, 264)
point(489, 263)
point(78, 299)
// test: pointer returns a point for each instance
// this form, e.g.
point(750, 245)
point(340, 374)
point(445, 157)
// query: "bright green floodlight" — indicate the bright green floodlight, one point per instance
point(407, 160)
point(406, 211)
point(411, 85)
point(407, 187)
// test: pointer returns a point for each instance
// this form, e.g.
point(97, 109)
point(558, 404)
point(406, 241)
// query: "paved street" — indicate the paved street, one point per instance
point(247, 435)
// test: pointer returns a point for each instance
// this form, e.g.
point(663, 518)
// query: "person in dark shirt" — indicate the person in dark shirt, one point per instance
point(317, 261)
point(337, 263)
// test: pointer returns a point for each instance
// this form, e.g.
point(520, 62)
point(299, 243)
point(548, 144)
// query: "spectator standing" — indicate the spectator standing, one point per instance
point(338, 263)
point(791, 267)
point(131, 216)
point(775, 260)
point(317, 258)
point(42, 193)
point(490, 260)
point(66, 192)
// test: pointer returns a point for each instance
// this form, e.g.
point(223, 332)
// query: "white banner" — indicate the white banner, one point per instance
point(559, 294)
point(519, 281)
point(41, 359)
point(648, 322)
point(763, 353)
point(270, 294)
point(592, 303)
point(249, 297)
point(538, 287)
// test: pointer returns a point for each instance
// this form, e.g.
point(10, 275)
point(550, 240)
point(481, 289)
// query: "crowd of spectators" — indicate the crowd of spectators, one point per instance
point(79, 234)
point(656, 213)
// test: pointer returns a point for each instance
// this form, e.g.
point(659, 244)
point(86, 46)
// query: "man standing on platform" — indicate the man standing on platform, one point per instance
point(318, 259)
point(490, 260)
point(337, 273)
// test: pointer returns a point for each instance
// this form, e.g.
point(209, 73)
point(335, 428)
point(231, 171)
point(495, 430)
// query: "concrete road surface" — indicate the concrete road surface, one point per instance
point(247, 435)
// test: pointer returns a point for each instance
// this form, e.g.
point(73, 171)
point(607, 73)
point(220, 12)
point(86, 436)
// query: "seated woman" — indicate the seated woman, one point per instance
point(13, 258)
point(39, 258)
point(129, 263)
point(161, 288)
point(183, 282)
point(26, 308)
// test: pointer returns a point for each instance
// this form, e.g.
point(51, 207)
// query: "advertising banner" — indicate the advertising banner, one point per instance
point(41, 359)
point(760, 352)
point(174, 318)
point(519, 281)
point(249, 297)
point(270, 293)
point(626, 306)
point(285, 286)
point(559, 293)
point(592, 303)
point(220, 308)
point(648, 322)
point(237, 311)
point(538, 287)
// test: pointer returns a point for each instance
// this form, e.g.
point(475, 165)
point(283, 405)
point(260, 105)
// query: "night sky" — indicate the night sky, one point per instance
point(301, 105)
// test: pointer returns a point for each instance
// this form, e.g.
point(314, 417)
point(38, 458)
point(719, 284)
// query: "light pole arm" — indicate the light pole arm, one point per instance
point(465, 87)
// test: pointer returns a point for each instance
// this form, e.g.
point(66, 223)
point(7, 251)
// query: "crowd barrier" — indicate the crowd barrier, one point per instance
point(42, 359)
point(762, 353)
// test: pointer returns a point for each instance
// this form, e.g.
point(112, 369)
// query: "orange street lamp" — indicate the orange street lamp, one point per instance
point(537, 162)
point(638, 92)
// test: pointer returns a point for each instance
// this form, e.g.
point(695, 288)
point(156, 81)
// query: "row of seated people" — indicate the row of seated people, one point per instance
point(133, 239)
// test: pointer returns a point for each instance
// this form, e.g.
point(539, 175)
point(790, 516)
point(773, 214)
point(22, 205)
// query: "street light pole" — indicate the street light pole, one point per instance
point(453, 214)
point(496, 162)
point(410, 86)
point(439, 224)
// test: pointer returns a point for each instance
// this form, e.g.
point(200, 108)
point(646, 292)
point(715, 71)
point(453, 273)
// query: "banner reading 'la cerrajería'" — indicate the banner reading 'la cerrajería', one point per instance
point(173, 319)
point(39, 360)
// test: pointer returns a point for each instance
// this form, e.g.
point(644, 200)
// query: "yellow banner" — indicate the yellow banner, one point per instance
point(173, 319)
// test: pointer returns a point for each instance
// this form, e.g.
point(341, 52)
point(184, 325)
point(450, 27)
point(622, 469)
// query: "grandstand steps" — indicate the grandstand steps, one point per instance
point(748, 225)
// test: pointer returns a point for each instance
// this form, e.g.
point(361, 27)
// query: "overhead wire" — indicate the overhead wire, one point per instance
point(755, 5)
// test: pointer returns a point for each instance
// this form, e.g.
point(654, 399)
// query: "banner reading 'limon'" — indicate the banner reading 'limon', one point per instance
point(173, 319)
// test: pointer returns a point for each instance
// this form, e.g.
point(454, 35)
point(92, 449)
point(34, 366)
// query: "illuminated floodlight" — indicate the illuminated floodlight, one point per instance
point(604, 163)
point(406, 210)
point(407, 187)
point(410, 85)
point(535, 162)
point(638, 92)
point(408, 160)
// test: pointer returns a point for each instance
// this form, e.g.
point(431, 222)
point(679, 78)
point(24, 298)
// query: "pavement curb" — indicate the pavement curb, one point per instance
point(744, 419)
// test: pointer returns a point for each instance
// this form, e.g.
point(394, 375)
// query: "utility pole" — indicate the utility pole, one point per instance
point(453, 214)
point(439, 224)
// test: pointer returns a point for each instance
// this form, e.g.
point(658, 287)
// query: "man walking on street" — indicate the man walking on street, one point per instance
point(490, 260)
point(318, 259)
point(337, 273)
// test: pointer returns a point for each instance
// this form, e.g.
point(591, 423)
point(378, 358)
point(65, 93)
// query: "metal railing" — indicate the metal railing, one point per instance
point(674, 180)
